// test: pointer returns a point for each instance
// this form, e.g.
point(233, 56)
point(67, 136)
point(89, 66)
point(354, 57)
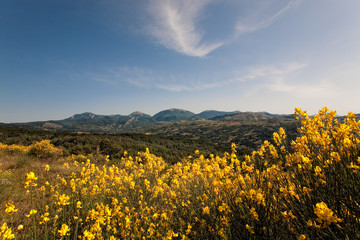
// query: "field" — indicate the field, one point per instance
point(306, 188)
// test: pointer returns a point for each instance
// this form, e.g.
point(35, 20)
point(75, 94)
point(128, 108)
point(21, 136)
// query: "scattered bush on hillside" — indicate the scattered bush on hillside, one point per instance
point(40, 149)
point(43, 149)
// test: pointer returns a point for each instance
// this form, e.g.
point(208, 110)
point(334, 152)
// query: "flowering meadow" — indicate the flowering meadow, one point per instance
point(306, 188)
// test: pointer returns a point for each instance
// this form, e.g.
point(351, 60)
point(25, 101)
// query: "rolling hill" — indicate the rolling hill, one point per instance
point(247, 129)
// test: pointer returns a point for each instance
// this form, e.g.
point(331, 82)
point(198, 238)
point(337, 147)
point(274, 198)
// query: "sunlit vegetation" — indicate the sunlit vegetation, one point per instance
point(171, 149)
point(248, 135)
point(306, 188)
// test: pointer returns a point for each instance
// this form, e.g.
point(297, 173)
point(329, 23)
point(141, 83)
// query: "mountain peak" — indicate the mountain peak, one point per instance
point(176, 110)
point(82, 116)
point(173, 114)
point(139, 115)
point(136, 113)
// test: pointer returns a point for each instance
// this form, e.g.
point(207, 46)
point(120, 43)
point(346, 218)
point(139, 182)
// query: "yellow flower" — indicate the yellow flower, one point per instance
point(30, 177)
point(32, 212)
point(347, 143)
point(325, 214)
point(206, 210)
point(250, 229)
point(64, 230)
point(30, 180)
point(6, 232)
point(47, 167)
point(63, 200)
point(20, 227)
point(88, 235)
point(254, 214)
point(155, 216)
point(302, 237)
point(188, 230)
point(10, 209)
point(317, 170)
point(170, 234)
point(45, 218)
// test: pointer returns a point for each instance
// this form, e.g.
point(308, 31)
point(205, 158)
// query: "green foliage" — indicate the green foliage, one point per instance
point(173, 149)
point(247, 135)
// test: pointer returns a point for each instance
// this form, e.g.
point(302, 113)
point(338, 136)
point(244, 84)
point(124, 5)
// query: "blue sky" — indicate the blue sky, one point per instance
point(62, 57)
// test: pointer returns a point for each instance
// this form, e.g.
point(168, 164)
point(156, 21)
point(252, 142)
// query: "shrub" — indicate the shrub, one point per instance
point(43, 149)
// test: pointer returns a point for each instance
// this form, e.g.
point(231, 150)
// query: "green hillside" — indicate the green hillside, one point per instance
point(173, 149)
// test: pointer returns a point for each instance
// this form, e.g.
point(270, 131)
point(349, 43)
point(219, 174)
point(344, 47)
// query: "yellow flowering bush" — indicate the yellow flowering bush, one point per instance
point(13, 149)
point(305, 188)
point(43, 149)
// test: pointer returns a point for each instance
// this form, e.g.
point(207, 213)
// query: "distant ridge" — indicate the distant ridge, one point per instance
point(248, 130)
point(138, 121)
point(173, 115)
point(82, 116)
point(139, 114)
point(251, 116)
point(209, 114)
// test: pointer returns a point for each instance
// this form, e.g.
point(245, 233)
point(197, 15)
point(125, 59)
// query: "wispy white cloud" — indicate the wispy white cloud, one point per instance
point(282, 78)
point(314, 90)
point(147, 78)
point(174, 26)
point(140, 77)
point(243, 26)
point(286, 78)
point(275, 71)
point(174, 87)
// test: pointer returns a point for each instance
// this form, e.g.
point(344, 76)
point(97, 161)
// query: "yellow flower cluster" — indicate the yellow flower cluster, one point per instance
point(13, 149)
point(304, 188)
point(10, 209)
point(30, 180)
point(325, 215)
point(6, 232)
point(41, 149)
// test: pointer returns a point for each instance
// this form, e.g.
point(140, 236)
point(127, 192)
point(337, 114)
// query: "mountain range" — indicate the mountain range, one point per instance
point(248, 130)
point(90, 122)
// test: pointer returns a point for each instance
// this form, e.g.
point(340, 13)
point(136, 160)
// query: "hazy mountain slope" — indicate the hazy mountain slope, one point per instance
point(252, 116)
point(209, 114)
point(173, 115)
point(136, 119)
point(90, 122)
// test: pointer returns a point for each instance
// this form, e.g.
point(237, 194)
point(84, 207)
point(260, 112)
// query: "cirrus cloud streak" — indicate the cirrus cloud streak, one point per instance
point(174, 26)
